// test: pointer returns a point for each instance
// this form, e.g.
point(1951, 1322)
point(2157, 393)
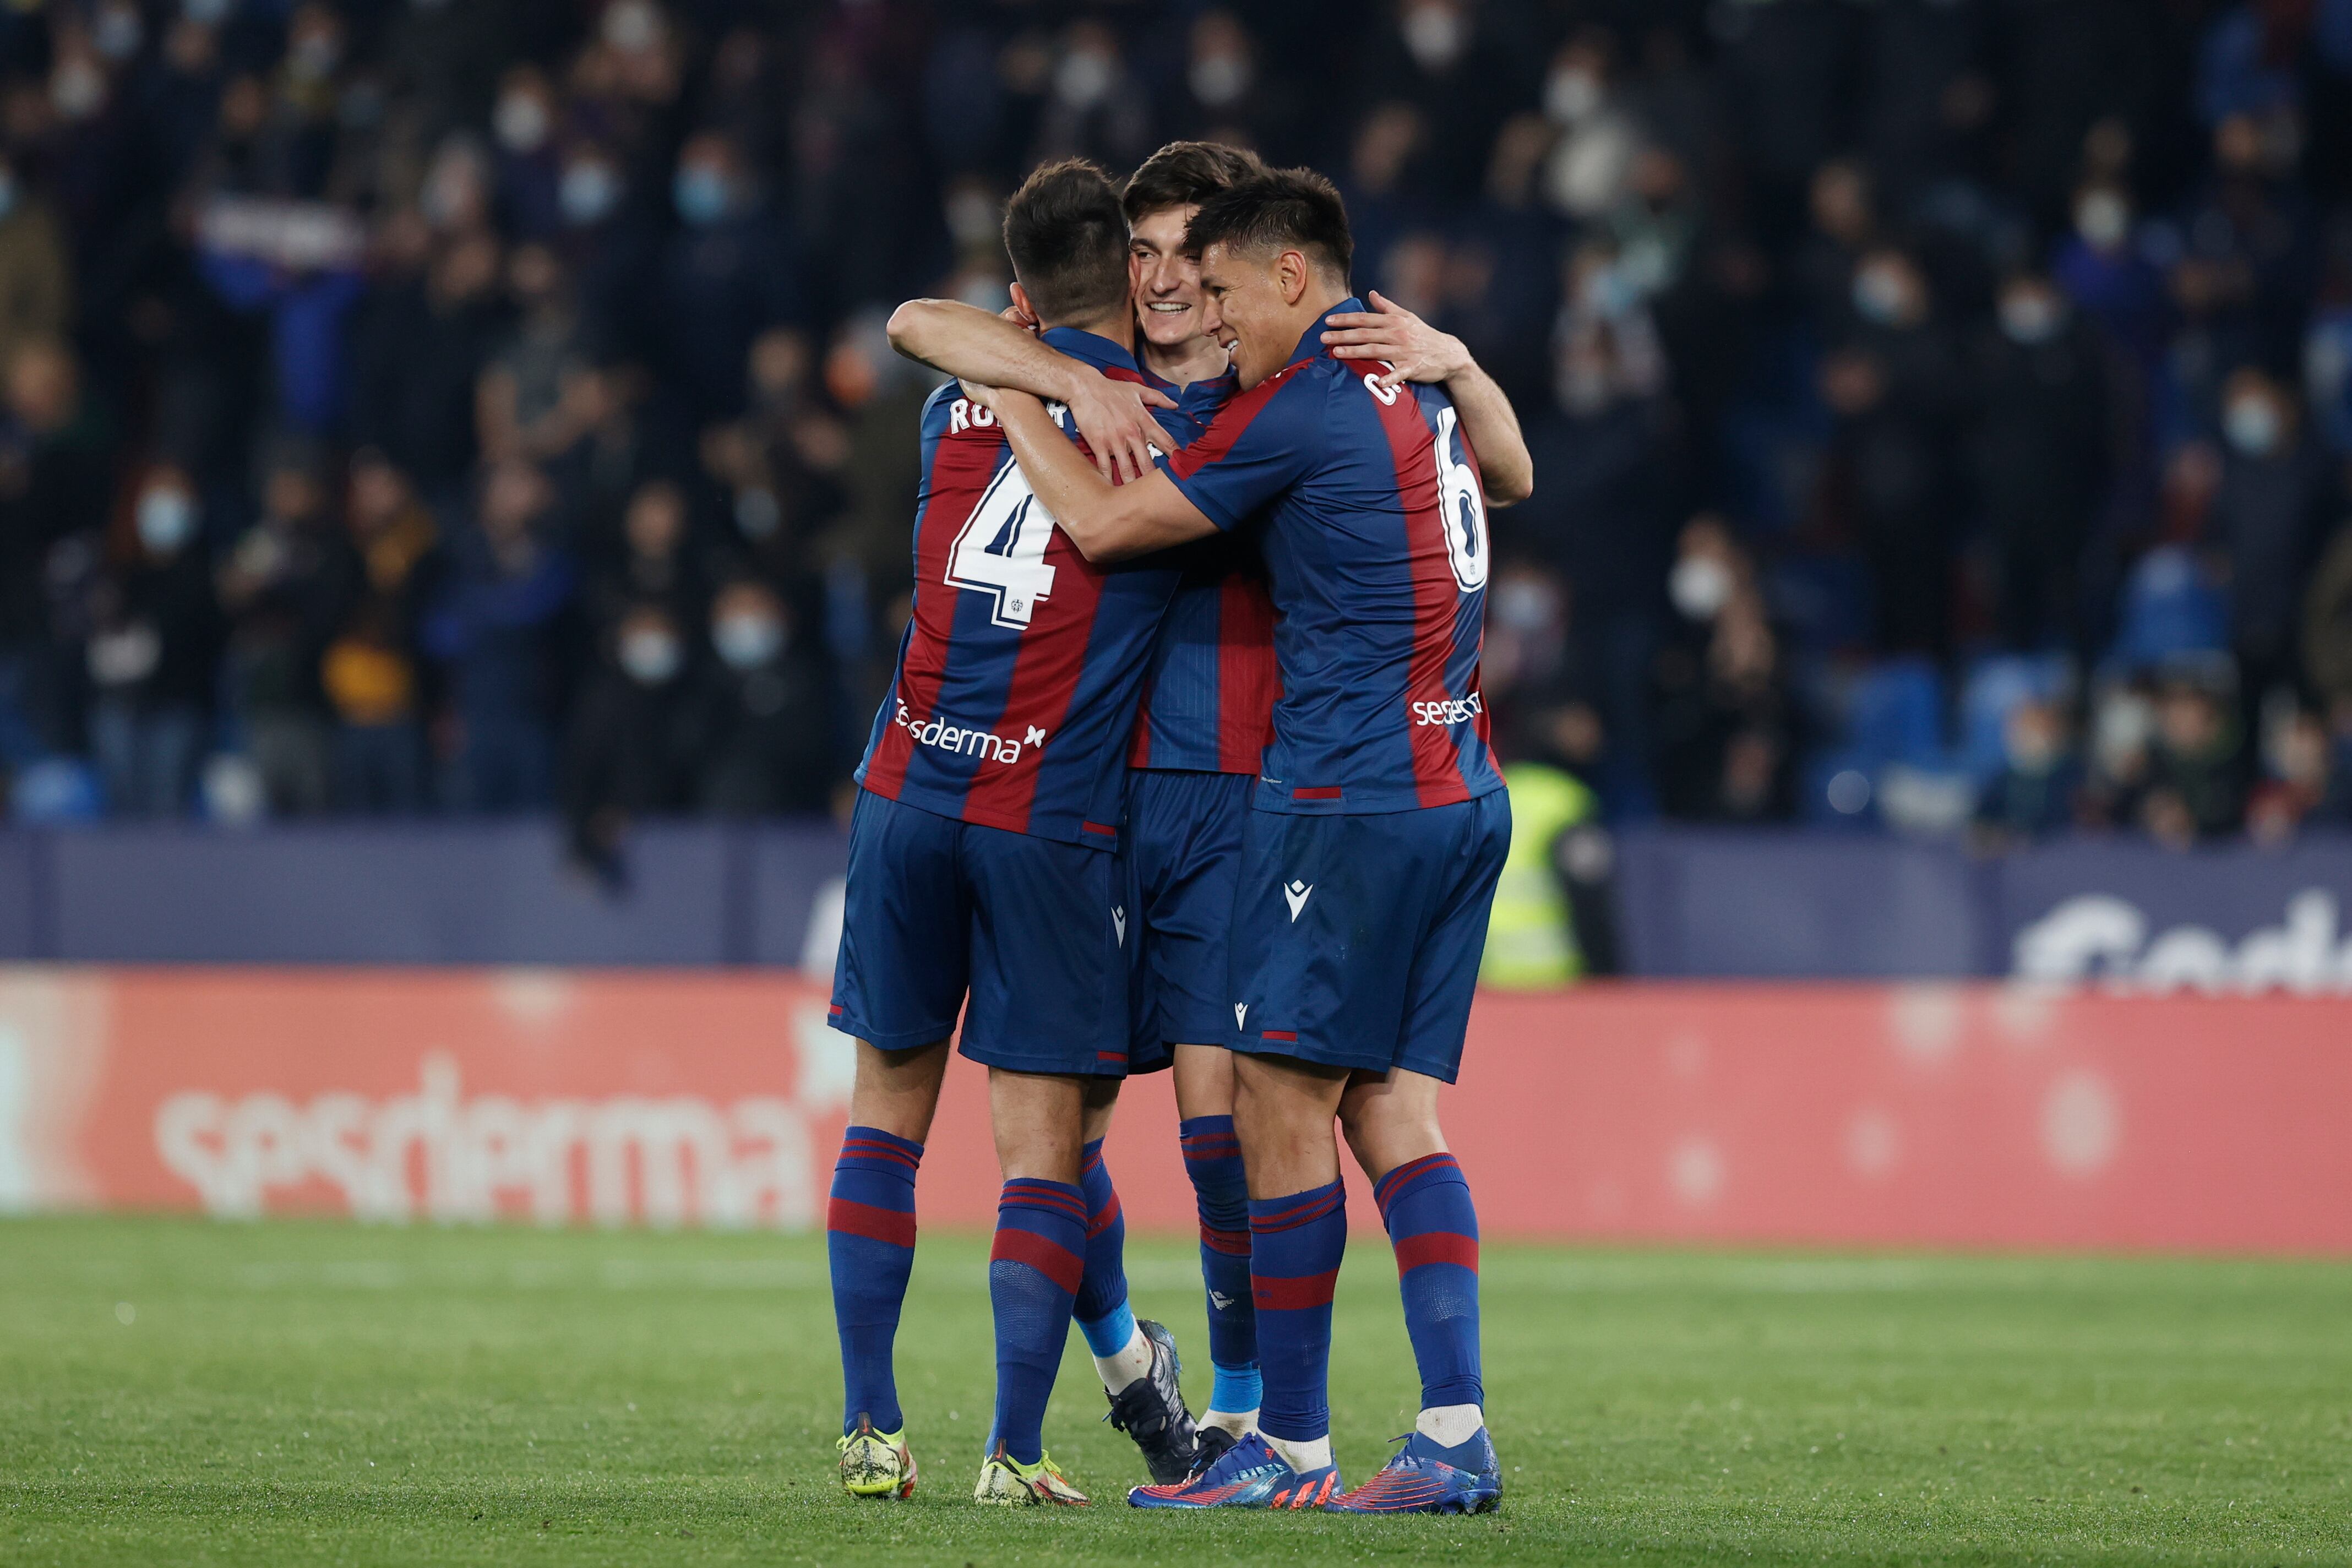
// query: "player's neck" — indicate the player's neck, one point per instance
point(1319, 301)
point(1117, 327)
point(1197, 358)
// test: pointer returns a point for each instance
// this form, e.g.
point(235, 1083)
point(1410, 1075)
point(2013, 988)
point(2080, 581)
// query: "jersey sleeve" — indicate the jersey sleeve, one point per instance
point(1256, 448)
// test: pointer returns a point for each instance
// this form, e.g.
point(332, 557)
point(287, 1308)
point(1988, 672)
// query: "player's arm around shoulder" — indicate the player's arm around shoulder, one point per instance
point(1107, 522)
point(1416, 350)
point(980, 346)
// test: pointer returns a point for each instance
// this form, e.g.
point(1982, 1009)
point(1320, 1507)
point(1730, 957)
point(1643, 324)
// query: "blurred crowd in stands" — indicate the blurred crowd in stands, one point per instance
point(1941, 408)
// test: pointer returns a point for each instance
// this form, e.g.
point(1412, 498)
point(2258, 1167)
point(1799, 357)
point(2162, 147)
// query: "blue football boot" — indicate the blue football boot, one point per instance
point(1425, 1477)
point(1250, 1474)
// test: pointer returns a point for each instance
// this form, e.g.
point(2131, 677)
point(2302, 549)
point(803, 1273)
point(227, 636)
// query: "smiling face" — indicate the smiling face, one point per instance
point(1167, 282)
point(1254, 308)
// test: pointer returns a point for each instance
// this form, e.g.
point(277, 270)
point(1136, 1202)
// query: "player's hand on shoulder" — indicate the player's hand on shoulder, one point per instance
point(1413, 350)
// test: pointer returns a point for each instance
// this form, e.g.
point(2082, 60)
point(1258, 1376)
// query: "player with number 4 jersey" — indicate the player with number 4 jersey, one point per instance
point(984, 900)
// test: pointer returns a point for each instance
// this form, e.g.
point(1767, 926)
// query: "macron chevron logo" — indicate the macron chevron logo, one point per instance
point(1295, 895)
point(1119, 918)
point(1241, 1013)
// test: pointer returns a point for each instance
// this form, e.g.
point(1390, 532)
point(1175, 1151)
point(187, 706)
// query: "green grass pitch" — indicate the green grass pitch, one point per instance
point(176, 1391)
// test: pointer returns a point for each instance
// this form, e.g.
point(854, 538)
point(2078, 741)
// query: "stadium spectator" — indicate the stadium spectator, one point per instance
point(2040, 458)
point(634, 746)
point(2328, 626)
point(285, 588)
point(1725, 740)
point(2304, 782)
point(725, 276)
point(2276, 494)
point(36, 285)
point(2035, 793)
point(500, 629)
point(418, 350)
point(2196, 787)
point(533, 400)
point(372, 675)
point(155, 638)
point(764, 712)
point(1893, 385)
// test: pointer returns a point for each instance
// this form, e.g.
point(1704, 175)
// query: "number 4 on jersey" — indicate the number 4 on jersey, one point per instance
point(1001, 549)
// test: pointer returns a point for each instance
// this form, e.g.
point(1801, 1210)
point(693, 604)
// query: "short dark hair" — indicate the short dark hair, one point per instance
point(1067, 238)
point(1186, 174)
point(1287, 209)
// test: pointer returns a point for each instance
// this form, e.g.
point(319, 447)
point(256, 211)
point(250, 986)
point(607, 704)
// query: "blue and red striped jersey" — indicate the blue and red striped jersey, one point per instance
point(1020, 671)
point(1375, 534)
point(1208, 706)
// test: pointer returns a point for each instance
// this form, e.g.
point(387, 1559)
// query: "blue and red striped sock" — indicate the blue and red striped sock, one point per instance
point(1426, 1204)
point(1033, 1276)
point(1295, 1245)
point(869, 1241)
point(1212, 1158)
point(1101, 1308)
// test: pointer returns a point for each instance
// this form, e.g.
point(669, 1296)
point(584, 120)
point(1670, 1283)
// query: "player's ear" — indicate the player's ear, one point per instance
point(1290, 275)
point(1021, 303)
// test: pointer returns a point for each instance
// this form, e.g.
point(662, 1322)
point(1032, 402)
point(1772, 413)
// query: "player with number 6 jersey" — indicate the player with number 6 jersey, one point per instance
point(1380, 824)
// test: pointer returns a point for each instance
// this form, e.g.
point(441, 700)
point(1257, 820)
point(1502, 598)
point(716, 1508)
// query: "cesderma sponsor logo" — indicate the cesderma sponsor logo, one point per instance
point(1453, 710)
point(941, 735)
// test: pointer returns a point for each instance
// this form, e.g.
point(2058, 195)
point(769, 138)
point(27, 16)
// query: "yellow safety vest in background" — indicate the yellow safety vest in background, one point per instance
point(1531, 939)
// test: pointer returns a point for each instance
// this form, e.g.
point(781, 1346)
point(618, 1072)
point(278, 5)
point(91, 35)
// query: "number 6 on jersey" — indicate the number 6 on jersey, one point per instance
point(1001, 549)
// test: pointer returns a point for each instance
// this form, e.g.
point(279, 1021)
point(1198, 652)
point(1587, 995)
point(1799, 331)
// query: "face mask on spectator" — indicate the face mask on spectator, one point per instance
point(1570, 94)
point(631, 27)
point(78, 89)
point(1524, 605)
point(2031, 748)
point(757, 513)
point(520, 123)
point(1878, 295)
point(1608, 291)
point(167, 520)
point(315, 56)
point(1435, 35)
point(701, 195)
point(1700, 586)
point(973, 216)
point(649, 656)
point(1085, 78)
point(2030, 317)
point(2102, 218)
point(1219, 80)
point(2253, 426)
point(588, 193)
point(118, 32)
point(748, 640)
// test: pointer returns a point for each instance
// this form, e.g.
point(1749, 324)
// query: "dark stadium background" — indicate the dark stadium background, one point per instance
point(1941, 410)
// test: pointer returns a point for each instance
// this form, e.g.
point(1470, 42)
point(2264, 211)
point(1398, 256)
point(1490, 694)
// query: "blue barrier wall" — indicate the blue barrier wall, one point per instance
point(486, 892)
point(1838, 906)
point(1693, 902)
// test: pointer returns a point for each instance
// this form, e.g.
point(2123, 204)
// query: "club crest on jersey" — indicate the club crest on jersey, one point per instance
point(1296, 894)
point(941, 735)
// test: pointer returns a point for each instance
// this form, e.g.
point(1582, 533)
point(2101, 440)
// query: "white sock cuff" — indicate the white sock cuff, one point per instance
point(1450, 1425)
